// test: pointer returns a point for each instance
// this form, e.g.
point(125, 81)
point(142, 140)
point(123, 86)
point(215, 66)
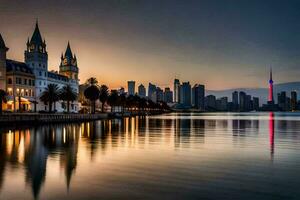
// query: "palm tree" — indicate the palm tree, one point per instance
point(92, 93)
point(67, 94)
point(103, 97)
point(50, 95)
point(113, 99)
point(3, 96)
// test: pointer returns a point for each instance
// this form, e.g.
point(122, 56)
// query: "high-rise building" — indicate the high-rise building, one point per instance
point(186, 94)
point(271, 97)
point(168, 95)
point(176, 91)
point(210, 103)
point(152, 92)
point(198, 96)
point(159, 94)
point(235, 100)
point(294, 100)
point(131, 87)
point(142, 91)
point(255, 103)
point(222, 104)
point(242, 101)
point(248, 103)
point(282, 101)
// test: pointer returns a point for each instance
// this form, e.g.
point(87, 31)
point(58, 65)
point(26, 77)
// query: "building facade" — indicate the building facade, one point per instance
point(131, 87)
point(142, 91)
point(26, 81)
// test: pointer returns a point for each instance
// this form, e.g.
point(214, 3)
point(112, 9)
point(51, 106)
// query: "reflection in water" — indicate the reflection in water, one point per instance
point(30, 150)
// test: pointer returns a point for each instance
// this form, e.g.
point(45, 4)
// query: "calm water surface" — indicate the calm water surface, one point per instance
point(174, 156)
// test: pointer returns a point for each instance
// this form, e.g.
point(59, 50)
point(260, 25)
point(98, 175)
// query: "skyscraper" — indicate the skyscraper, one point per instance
point(142, 91)
point(168, 95)
point(242, 101)
point(185, 94)
point(271, 97)
point(294, 100)
point(131, 87)
point(235, 100)
point(198, 96)
point(152, 92)
point(255, 103)
point(159, 94)
point(176, 91)
point(282, 101)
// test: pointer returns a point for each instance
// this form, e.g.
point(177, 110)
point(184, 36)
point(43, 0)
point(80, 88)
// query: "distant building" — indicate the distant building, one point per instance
point(210, 103)
point(242, 101)
point(198, 96)
point(222, 104)
point(176, 91)
point(294, 100)
point(131, 87)
point(255, 103)
point(282, 101)
point(121, 91)
point(159, 94)
point(152, 92)
point(248, 103)
point(142, 91)
point(168, 95)
point(185, 94)
point(235, 101)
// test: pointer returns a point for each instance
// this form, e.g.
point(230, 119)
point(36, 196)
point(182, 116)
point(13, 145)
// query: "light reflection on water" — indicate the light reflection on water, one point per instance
point(191, 156)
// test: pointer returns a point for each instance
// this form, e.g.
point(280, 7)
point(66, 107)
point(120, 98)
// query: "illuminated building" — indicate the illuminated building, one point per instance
point(26, 81)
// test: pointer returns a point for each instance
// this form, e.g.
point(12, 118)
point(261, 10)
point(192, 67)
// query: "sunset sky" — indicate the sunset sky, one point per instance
point(224, 44)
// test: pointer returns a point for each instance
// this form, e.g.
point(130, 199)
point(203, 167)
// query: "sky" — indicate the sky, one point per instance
point(220, 43)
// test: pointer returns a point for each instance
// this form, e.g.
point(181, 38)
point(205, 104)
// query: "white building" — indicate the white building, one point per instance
point(36, 60)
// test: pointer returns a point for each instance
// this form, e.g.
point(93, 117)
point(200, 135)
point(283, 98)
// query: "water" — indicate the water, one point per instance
point(173, 156)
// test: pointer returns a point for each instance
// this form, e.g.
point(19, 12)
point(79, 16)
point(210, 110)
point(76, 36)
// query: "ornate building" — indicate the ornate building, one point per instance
point(26, 81)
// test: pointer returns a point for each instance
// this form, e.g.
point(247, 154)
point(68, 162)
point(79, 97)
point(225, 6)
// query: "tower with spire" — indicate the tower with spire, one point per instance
point(271, 97)
point(3, 50)
point(68, 65)
point(36, 57)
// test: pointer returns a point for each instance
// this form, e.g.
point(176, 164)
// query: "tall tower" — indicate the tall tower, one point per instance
point(36, 57)
point(176, 91)
point(271, 97)
point(68, 65)
point(3, 50)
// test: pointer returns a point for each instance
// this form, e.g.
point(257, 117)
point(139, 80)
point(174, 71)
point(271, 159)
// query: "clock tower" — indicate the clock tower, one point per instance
point(68, 66)
point(36, 57)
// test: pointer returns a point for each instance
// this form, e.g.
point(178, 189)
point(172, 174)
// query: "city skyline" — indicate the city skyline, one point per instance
point(185, 46)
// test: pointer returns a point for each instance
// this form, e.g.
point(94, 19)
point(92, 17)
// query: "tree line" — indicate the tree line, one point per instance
point(94, 92)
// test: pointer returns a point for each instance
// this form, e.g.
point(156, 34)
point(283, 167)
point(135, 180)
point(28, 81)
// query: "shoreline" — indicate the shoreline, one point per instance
point(47, 118)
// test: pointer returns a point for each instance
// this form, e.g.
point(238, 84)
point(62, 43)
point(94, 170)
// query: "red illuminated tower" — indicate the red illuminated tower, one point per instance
point(271, 97)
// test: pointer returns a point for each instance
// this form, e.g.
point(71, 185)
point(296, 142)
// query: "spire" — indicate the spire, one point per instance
point(36, 36)
point(2, 43)
point(69, 53)
point(62, 55)
point(271, 73)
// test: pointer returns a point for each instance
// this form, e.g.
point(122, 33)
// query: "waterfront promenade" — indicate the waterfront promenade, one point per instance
point(41, 118)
